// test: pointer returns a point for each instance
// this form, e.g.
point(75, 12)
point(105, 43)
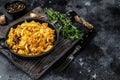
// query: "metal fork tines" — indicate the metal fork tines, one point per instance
point(68, 59)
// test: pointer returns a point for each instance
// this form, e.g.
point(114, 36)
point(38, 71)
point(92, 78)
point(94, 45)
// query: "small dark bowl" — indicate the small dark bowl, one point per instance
point(16, 8)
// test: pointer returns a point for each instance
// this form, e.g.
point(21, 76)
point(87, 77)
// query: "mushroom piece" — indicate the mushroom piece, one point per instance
point(32, 15)
point(2, 19)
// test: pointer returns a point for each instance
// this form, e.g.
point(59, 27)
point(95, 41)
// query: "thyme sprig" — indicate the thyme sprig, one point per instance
point(68, 30)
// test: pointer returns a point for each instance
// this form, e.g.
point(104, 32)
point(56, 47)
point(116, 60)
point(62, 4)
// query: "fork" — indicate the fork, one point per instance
point(68, 60)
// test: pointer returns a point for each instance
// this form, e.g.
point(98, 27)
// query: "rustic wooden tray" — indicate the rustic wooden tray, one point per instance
point(36, 68)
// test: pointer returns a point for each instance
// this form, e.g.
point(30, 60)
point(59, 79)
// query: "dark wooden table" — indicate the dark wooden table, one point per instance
point(99, 60)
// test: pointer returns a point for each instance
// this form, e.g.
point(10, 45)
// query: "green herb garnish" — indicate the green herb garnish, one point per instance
point(68, 30)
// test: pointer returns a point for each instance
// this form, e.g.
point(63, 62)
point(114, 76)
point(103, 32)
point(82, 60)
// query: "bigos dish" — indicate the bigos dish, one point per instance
point(31, 38)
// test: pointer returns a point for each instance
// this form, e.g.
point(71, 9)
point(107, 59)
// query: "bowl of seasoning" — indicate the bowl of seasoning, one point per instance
point(16, 8)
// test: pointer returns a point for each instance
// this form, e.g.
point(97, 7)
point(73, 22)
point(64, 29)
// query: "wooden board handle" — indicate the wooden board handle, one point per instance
point(83, 22)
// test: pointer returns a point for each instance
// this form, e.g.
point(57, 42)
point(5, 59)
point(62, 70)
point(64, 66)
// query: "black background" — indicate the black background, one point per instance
point(100, 59)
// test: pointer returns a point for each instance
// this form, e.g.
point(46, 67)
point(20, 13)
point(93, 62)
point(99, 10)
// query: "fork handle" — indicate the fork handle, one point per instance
point(77, 48)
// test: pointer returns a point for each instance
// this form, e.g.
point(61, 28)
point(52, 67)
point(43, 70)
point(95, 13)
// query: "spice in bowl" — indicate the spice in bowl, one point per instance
point(16, 6)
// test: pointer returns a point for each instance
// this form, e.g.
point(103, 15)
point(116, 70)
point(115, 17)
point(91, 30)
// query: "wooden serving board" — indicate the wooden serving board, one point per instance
point(36, 68)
